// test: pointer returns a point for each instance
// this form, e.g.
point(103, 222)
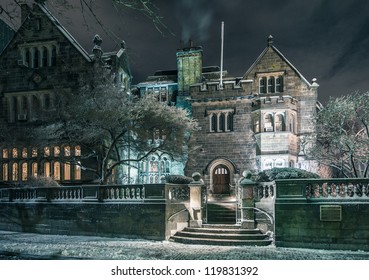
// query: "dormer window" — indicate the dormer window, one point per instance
point(271, 85)
point(262, 85)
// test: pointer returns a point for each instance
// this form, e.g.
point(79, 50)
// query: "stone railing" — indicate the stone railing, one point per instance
point(177, 193)
point(312, 189)
point(84, 193)
point(265, 190)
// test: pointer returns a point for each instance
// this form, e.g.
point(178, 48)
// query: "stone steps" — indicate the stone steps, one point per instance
point(223, 235)
point(221, 213)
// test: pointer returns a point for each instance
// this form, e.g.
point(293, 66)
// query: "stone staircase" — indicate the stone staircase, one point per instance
point(222, 234)
point(221, 213)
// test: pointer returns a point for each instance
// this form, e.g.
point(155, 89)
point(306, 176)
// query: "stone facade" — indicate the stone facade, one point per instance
point(41, 65)
point(255, 122)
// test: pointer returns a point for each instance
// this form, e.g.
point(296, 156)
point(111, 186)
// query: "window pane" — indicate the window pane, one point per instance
point(67, 151)
point(66, 171)
point(47, 151)
point(24, 171)
point(56, 151)
point(5, 172)
point(14, 152)
point(34, 169)
point(57, 171)
point(77, 151)
point(5, 153)
point(77, 172)
point(24, 152)
point(15, 171)
point(34, 152)
point(47, 169)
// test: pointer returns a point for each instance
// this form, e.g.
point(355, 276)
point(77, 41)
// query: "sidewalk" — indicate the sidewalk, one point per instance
point(14, 245)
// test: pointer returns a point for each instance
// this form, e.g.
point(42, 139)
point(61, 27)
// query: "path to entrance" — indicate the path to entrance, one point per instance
point(36, 246)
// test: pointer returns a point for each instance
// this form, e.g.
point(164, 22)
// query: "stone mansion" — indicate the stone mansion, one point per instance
point(253, 122)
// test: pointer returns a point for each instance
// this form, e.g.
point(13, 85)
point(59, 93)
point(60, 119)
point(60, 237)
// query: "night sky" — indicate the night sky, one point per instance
point(323, 39)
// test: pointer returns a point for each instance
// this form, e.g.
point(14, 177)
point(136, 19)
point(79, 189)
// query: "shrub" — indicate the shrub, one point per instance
point(283, 173)
point(41, 182)
point(178, 179)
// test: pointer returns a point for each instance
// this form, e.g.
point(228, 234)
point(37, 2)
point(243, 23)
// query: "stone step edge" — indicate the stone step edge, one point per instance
point(188, 240)
point(203, 235)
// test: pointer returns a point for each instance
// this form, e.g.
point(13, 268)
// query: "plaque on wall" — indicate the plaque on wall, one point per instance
point(330, 213)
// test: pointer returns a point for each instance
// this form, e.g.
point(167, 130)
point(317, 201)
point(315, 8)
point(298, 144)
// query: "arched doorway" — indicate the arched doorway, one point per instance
point(221, 180)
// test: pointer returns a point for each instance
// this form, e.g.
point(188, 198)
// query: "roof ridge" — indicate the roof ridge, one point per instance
point(64, 31)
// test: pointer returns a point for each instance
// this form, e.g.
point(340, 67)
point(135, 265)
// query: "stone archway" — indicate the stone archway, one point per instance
point(221, 172)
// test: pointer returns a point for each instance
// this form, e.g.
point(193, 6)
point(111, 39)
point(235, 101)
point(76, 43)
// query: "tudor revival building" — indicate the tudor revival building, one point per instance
point(255, 122)
point(42, 62)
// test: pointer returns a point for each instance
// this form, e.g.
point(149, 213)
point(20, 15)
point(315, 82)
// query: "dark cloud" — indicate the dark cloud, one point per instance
point(324, 39)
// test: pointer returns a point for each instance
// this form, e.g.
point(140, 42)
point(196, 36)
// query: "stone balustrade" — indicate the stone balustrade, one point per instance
point(265, 190)
point(84, 193)
point(323, 189)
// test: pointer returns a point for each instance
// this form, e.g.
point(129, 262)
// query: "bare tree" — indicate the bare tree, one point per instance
point(342, 136)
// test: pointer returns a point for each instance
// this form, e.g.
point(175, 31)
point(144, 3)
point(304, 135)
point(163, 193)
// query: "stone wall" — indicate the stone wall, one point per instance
point(311, 214)
point(130, 220)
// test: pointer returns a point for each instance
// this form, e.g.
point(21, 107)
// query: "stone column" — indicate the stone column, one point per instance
point(196, 200)
point(248, 202)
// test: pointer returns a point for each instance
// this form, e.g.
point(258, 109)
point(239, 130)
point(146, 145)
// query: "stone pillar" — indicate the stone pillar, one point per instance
point(248, 188)
point(196, 200)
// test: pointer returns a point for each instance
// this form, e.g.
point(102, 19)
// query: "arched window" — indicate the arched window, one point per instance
point(229, 122)
point(271, 84)
point(280, 123)
point(5, 153)
point(44, 55)
point(35, 58)
point(221, 122)
point(56, 151)
point(15, 153)
point(24, 171)
point(77, 151)
point(47, 169)
point(77, 171)
point(67, 151)
point(27, 57)
point(262, 85)
point(24, 153)
point(213, 123)
point(57, 171)
point(46, 151)
point(5, 172)
point(34, 169)
point(53, 56)
point(268, 123)
point(15, 171)
point(66, 172)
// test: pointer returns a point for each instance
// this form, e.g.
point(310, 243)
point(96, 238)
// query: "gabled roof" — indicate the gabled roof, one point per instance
point(65, 32)
point(271, 46)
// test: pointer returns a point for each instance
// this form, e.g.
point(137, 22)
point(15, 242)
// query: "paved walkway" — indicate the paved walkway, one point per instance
point(14, 245)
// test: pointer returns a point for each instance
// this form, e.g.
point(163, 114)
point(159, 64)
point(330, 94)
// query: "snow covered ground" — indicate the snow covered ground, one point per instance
point(14, 245)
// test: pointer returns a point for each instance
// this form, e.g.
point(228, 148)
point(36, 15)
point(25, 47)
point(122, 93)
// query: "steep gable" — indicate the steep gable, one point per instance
point(270, 61)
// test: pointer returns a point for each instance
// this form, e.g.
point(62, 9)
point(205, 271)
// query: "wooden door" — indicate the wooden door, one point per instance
point(221, 180)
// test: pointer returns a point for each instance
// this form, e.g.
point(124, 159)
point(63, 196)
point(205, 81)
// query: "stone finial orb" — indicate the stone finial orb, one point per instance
point(196, 176)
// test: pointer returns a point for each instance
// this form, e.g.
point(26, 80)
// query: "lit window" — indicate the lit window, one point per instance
point(24, 153)
point(5, 153)
point(34, 152)
point(24, 171)
point(14, 152)
point(77, 171)
point(77, 151)
point(57, 171)
point(15, 171)
point(66, 151)
point(56, 151)
point(5, 172)
point(34, 169)
point(47, 169)
point(67, 172)
point(46, 151)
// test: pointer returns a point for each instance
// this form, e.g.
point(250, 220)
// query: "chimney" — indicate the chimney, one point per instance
point(189, 66)
point(25, 10)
